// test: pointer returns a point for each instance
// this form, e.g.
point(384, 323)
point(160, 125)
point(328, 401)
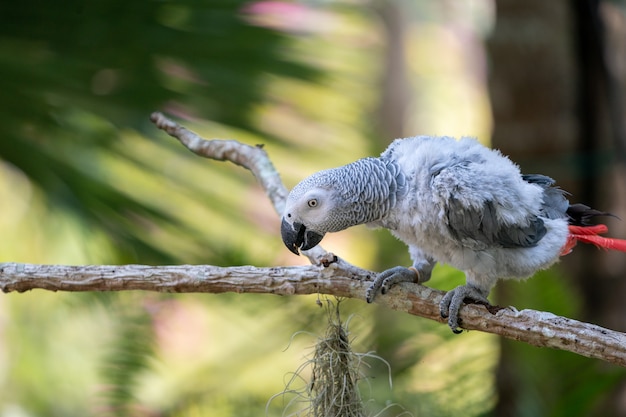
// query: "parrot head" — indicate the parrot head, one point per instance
point(335, 199)
point(314, 207)
point(303, 224)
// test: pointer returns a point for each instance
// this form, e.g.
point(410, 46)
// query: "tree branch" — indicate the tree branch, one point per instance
point(253, 158)
point(340, 279)
point(327, 275)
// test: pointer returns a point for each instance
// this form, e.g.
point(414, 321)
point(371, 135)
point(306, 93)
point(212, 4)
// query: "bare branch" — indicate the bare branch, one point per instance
point(340, 279)
point(253, 158)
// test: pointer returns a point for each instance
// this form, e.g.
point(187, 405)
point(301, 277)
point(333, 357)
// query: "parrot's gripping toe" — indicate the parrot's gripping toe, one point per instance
point(387, 279)
point(452, 301)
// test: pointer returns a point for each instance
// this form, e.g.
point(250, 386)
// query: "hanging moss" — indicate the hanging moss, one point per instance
point(331, 376)
point(336, 371)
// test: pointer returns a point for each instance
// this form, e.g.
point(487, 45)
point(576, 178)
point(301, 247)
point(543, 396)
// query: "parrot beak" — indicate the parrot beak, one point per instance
point(296, 236)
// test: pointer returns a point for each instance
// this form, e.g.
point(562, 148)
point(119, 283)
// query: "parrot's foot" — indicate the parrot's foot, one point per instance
point(387, 279)
point(452, 301)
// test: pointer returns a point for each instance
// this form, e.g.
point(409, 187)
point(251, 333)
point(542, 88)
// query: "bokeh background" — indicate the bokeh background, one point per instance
point(86, 179)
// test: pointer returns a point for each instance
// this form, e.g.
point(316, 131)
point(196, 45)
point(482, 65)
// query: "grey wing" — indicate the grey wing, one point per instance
point(476, 198)
point(481, 225)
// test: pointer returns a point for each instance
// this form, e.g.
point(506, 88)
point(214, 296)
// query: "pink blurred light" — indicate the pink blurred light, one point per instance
point(286, 16)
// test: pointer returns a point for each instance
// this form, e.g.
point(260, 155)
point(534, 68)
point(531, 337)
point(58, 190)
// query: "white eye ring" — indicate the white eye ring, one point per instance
point(312, 202)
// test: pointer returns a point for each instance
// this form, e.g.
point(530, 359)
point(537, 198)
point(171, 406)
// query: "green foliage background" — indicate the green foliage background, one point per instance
point(85, 178)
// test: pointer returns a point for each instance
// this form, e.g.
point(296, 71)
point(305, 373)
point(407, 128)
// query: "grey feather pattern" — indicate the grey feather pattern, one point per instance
point(473, 210)
point(365, 191)
point(480, 225)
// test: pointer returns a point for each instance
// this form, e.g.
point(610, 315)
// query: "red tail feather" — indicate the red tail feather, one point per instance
point(598, 229)
point(589, 234)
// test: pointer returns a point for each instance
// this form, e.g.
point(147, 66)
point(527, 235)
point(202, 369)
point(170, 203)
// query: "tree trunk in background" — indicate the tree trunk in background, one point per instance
point(557, 111)
point(395, 87)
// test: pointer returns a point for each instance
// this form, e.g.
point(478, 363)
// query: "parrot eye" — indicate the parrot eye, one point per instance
point(312, 202)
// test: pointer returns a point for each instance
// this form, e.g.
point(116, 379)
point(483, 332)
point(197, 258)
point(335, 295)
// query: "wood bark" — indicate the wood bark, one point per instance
point(337, 278)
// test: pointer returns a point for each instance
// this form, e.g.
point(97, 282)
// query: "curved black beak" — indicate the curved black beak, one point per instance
point(296, 236)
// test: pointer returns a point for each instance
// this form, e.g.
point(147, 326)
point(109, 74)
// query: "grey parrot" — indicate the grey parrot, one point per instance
point(451, 201)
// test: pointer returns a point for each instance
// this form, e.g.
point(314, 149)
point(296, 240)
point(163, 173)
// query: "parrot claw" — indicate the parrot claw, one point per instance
point(451, 304)
point(387, 279)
